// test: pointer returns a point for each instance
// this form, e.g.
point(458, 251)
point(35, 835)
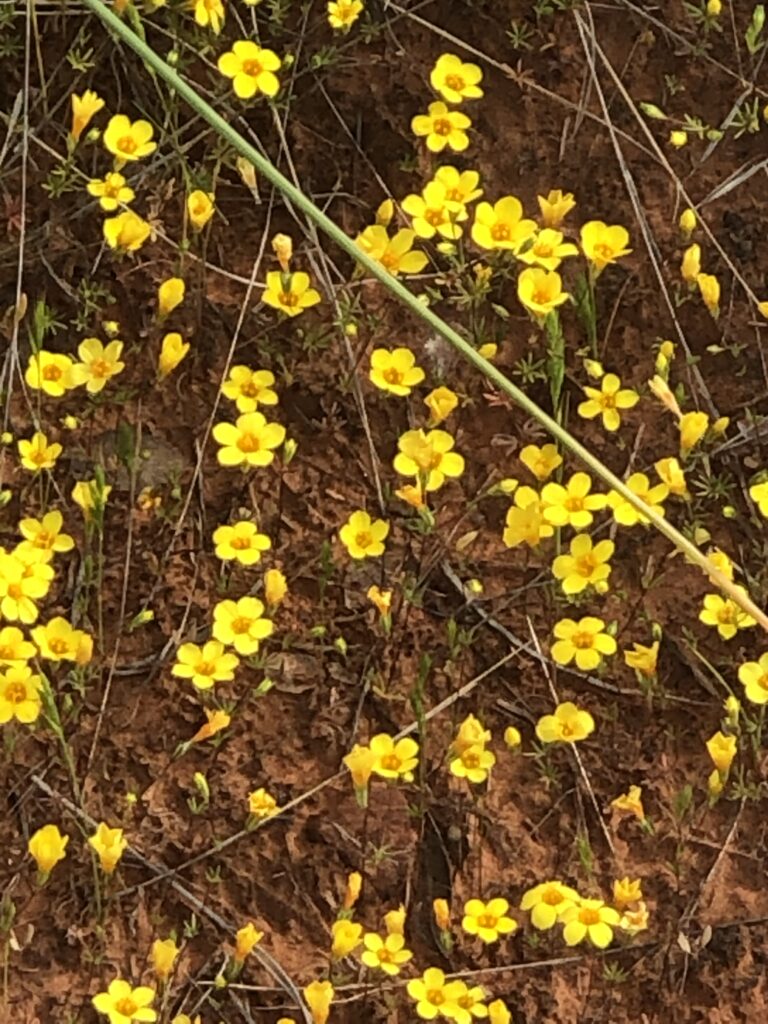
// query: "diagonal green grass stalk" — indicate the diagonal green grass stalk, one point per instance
point(156, 64)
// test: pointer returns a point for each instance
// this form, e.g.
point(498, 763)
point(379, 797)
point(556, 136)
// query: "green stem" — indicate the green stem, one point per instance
point(296, 197)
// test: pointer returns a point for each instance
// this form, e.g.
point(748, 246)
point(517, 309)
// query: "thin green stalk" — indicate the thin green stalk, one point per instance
point(295, 196)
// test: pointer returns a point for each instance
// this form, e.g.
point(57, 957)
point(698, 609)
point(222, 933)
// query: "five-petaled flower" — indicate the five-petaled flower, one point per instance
point(342, 14)
point(571, 504)
point(542, 462)
point(488, 921)
point(586, 565)
point(362, 536)
point(540, 291)
point(455, 80)
point(37, 453)
point(434, 995)
point(44, 536)
point(395, 254)
point(433, 213)
point(547, 250)
point(51, 372)
point(98, 363)
point(607, 401)
point(725, 614)
point(111, 191)
point(386, 954)
point(128, 141)
point(249, 389)
point(251, 68)
point(241, 624)
point(395, 371)
point(126, 231)
point(547, 902)
point(19, 691)
point(625, 513)
point(592, 920)
point(394, 759)
point(568, 724)
point(603, 244)
point(584, 642)
point(501, 225)
point(249, 441)
point(290, 293)
point(442, 128)
point(58, 640)
point(429, 457)
point(205, 665)
point(123, 1004)
point(240, 542)
point(753, 675)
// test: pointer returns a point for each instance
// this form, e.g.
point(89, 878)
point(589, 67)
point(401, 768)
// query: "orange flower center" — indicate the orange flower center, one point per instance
point(762, 682)
point(470, 759)
point(126, 145)
point(583, 641)
point(52, 373)
point(391, 762)
point(43, 539)
point(551, 897)
point(540, 297)
point(15, 693)
point(392, 376)
point(487, 920)
point(441, 126)
point(241, 543)
point(15, 591)
point(290, 299)
point(586, 565)
point(248, 443)
point(249, 389)
point(608, 401)
point(434, 217)
point(390, 260)
point(100, 368)
point(58, 645)
point(589, 916)
point(727, 615)
point(206, 668)
point(252, 68)
point(435, 996)
point(455, 82)
point(543, 251)
point(573, 504)
point(384, 955)
point(127, 1006)
point(241, 625)
point(363, 539)
point(500, 232)
point(603, 251)
point(454, 195)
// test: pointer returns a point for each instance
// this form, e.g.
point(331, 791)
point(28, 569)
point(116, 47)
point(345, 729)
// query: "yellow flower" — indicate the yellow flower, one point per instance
point(91, 496)
point(395, 254)
point(282, 246)
point(441, 402)
point(109, 845)
point(498, 1012)
point(209, 13)
point(607, 401)
point(585, 566)
point(591, 920)
point(58, 641)
point(714, 8)
point(19, 688)
point(626, 891)
point(571, 504)
point(722, 750)
point(123, 1004)
point(249, 388)
point(215, 722)
point(501, 225)
point(394, 921)
point(384, 213)
point(442, 127)
point(170, 294)
point(442, 914)
point(84, 108)
point(568, 724)
point(319, 996)
point(643, 659)
point(380, 599)
point(342, 14)
point(44, 535)
point(395, 759)
point(470, 1003)
point(433, 213)
point(347, 936)
point(98, 364)
point(360, 762)
point(246, 938)
point(434, 995)
point(547, 901)
point(126, 231)
point(542, 462)
point(626, 514)
point(37, 454)
point(387, 954)
point(759, 494)
point(428, 456)
point(584, 641)
point(631, 802)
point(395, 371)
point(693, 426)
point(47, 847)
point(555, 207)
point(290, 293)
point(471, 733)
point(240, 542)
point(128, 141)
point(678, 139)
point(412, 495)
point(111, 191)
point(164, 953)
point(715, 784)
point(275, 588)
point(634, 921)
point(512, 737)
point(460, 186)
point(251, 69)
point(753, 675)
point(172, 350)
point(687, 222)
point(547, 250)
point(200, 208)
point(240, 624)
point(352, 891)
point(473, 764)
point(525, 522)
point(488, 921)
point(206, 665)
point(690, 268)
point(21, 585)
point(15, 649)
point(725, 614)
point(362, 536)
point(540, 291)
point(261, 804)
point(709, 287)
point(604, 244)
point(671, 473)
point(249, 441)
point(50, 372)
point(454, 80)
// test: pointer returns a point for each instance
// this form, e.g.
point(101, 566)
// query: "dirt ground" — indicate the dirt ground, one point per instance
point(541, 125)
